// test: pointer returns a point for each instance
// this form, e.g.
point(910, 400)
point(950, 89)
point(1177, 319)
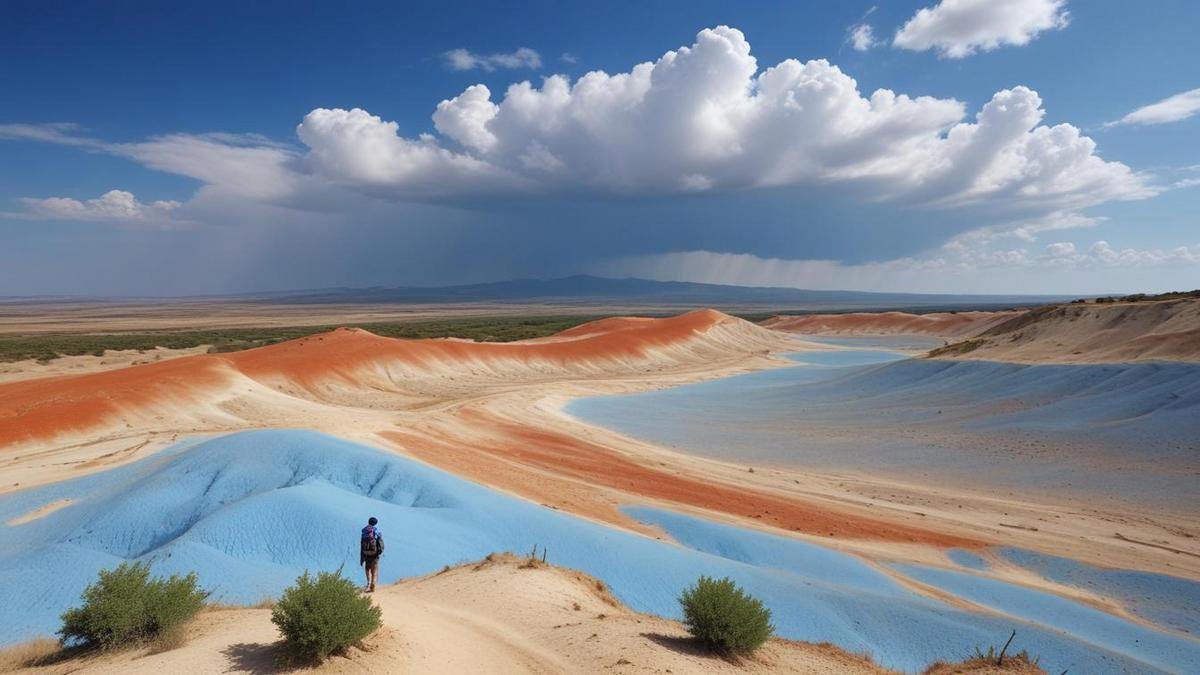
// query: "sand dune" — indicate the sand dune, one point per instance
point(340, 363)
point(1157, 330)
point(500, 615)
point(938, 324)
point(493, 413)
point(203, 507)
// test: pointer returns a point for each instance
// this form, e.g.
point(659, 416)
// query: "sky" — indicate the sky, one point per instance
point(960, 146)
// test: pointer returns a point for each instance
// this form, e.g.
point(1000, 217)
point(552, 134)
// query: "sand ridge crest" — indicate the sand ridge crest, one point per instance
point(353, 358)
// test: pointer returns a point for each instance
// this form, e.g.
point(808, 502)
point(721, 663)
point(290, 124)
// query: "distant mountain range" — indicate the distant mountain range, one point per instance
point(590, 290)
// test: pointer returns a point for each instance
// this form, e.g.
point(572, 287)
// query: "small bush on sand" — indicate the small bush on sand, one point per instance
point(126, 606)
point(724, 618)
point(322, 616)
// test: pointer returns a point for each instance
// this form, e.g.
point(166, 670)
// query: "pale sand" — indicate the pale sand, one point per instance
point(1162, 330)
point(1157, 330)
point(113, 359)
point(499, 616)
point(498, 420)
point(938, 324)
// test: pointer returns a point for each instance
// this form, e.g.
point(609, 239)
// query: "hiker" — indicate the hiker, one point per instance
point(370, 550)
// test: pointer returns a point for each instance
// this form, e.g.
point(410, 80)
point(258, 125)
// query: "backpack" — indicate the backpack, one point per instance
point(370, 544)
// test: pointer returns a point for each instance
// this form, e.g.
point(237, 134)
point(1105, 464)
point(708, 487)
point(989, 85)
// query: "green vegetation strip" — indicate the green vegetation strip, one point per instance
point(494, 329)
point(49, 346)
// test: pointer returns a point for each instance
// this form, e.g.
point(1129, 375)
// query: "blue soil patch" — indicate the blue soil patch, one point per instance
point(1162, 650)
point(1164, 600)
point(899, 342)
point(1125, 430)
point(967, 559)
point(250, 511)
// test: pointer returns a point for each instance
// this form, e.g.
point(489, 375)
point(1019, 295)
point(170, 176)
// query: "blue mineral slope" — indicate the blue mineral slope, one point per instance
point(250, 511)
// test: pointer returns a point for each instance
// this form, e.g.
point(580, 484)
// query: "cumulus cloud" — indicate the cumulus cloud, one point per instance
point(959, 28)
point(463, 59)
point(116, 206)
point(1172, 109)
point(862, 37)
point(701, 118)
point(706, 117)
point(356, 148)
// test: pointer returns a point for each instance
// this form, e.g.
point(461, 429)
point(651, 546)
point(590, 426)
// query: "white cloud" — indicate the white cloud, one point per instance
point(703, 117)
point(568, 57)
point(1186, 183)
point(246, 166)
point(1060, 248)
point(706, 110)
point(1172, 109)
point(63, 133)
point(953, 268)
point(959, 28)
point(358, 149)
point(463, 59)
point(862, 37)
point(116, 206)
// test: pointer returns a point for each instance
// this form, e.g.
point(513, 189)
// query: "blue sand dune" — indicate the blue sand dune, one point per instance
point(1078, 427)
point(249, 511)
point(1164, 600)
point(1166, 651)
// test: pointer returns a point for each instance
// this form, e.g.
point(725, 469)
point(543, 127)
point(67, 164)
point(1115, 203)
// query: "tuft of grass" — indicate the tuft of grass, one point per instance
point(985, 662)
point(322, 616)
point(36, 652)
point(126, 606)
point(171, 638)
point(724, 618)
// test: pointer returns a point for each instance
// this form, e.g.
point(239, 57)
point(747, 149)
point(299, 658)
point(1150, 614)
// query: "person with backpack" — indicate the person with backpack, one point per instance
point(370, 549)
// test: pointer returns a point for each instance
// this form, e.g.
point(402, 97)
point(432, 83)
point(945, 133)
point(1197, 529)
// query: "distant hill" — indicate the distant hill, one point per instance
point(583, 289)
point(1132, 328)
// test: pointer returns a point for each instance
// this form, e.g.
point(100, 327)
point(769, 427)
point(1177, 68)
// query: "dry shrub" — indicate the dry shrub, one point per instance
point(29, 654)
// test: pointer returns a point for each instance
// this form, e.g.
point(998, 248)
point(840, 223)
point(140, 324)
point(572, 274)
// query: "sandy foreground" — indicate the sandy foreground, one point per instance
point(494, 616)
point(493, 414)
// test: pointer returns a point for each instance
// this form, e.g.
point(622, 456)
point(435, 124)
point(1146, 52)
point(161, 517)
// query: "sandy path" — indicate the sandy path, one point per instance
point(499, 616)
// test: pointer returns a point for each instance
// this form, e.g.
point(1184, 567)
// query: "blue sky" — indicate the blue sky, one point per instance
point(1026, 146)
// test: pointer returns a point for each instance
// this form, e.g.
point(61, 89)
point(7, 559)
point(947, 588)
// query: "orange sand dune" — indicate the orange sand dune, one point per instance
point(47, 407)
point(938, 324)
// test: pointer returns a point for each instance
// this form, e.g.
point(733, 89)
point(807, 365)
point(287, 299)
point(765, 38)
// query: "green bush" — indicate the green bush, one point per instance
point(724, 618)
point(126, 606)
point(322, 617)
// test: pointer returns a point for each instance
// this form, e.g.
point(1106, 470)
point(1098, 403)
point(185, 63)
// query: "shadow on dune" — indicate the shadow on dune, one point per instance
point(257, 659)
point(677, 643)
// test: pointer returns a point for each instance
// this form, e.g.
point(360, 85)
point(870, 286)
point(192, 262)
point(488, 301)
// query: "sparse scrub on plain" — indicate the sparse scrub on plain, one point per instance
point(49, 346)
point(126, 606)
point(964, 347)
point(322, 616)
point(724, 617)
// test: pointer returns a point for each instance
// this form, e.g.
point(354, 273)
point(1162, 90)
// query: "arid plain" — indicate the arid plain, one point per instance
point(931, 551)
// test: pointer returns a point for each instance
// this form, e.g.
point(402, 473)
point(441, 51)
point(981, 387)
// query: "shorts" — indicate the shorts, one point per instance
point(371, 562)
